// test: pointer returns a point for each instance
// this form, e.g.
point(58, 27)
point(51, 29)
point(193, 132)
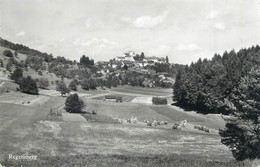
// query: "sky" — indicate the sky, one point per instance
point(183, 30)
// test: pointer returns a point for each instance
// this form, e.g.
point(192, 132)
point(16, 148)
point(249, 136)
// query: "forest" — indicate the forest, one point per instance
point(211, 86)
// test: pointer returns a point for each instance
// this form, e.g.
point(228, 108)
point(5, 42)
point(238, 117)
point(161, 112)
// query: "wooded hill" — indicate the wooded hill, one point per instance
point(212, 86)
point(86, 71)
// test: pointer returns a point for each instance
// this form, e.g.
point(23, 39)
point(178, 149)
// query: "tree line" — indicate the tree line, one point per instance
point(208, 85)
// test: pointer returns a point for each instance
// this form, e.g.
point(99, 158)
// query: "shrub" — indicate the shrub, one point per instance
point(17, 75)
point(7, 53)
point(73, 104)
point(28, 85)
point(43, 83)
point(158, 101)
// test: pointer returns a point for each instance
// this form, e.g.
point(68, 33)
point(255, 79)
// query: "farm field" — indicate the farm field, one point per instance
point(99, 140)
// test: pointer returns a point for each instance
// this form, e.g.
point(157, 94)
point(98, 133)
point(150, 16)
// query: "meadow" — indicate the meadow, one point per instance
point(84, 139)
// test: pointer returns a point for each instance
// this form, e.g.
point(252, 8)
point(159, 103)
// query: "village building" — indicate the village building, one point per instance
point(148, 83)
point(114, 98)
point(126, 57)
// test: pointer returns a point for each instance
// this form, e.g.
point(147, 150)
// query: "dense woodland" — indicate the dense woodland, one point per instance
point(209, 85)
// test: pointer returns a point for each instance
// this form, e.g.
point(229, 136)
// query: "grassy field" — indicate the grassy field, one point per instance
point(85, 139)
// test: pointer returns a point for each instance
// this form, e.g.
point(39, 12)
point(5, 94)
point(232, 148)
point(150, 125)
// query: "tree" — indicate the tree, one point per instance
point(7, 53)
point(43, 83)
point(207, 85)
point(15, 54)
point(9, 66)
point(73, 85)
point(125, 67)
point(159, 101)
point(142, 56)
point(28, 85)
point(1, 63)
point(17, 75)
point(137, 57)
point(74, 104)
point(86, 61)
point(34, 62)
point(62, 87)
point(242, 132)
point(88, 84)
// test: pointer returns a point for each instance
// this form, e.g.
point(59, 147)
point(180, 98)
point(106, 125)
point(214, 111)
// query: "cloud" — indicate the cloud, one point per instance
point(213, 14)
point(20, 34)
point(94, 42)
point(126, 19)
point(161, 50)
point(187, 58)
point(219, 26)
point(146, 21)
point(187, 47)
point(92, 24)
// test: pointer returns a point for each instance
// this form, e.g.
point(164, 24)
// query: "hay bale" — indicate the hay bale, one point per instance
point(207, 130)
point(149, 124)
point(154, 123)
point(133, 120)
point(183, 123)
point(176, 126)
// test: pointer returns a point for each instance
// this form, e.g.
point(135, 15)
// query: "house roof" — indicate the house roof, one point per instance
point(113, 97)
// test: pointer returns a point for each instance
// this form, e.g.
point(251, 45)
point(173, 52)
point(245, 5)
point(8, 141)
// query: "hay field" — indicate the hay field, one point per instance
point(69, 140)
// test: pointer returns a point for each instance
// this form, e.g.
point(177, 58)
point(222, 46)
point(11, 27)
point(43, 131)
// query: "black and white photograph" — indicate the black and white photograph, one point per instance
point(130, 83)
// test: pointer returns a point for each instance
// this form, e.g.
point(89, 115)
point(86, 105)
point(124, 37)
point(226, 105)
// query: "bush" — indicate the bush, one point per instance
point(28, 85)
point(158, 101)
point(73, 104)
point(7, 53)
point(17, 75)
point(43, 83)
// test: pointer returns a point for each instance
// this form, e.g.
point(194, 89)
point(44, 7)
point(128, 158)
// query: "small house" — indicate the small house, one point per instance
point(114, 98)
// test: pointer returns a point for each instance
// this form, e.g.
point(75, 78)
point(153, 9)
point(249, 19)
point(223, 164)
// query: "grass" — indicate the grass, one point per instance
point(99, 141)
point(122, 110)
point(99, 118)
point(129, 160)
point(98, 144)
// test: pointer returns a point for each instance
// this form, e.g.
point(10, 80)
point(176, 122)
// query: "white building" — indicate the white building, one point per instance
point(126, 56)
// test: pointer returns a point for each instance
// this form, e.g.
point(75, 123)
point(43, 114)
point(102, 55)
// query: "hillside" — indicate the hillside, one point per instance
point(102, 74)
